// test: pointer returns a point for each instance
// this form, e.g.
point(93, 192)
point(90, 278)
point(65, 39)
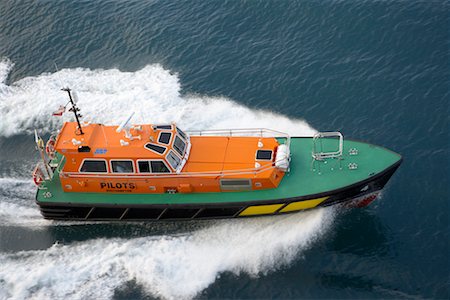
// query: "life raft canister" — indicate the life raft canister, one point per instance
point(38, 175)
point(50, 147)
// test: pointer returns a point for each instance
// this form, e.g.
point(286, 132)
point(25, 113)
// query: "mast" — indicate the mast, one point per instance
point(74, 109)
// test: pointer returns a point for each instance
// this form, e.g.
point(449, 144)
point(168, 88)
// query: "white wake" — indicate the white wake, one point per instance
point(108, 96)
point(17, 205)
point(170, 267)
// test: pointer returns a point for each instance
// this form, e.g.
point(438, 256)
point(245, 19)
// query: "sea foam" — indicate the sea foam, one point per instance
point(167, 266)
point(170, 267)
point(17, 205)
point(109, 96)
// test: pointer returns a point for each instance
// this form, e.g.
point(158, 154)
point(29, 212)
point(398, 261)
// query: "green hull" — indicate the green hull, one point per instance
point(356, 174)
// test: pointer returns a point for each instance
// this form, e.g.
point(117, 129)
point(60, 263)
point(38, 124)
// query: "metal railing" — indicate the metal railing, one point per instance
point(221, 174)
point(320, 154)
point(254, 132)
point(258, 132)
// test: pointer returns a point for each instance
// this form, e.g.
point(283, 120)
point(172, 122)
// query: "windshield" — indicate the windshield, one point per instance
point(173, 160)
point(182, 134)
point(179, 145)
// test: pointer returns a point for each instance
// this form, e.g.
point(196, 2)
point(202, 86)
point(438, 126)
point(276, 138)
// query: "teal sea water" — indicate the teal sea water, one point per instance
point(377, 71)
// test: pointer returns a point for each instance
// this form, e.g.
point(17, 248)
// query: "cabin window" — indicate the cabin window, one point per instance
point(155, 148)
point(173, 160)
point(179, 145)
point(182, 134)
point(164, 137)
point(93, 166)
point(264, 155)
point(235, 184)
point(122, 166)
point(165, 127)
point(159, 166)
point(152, 166)
point(144, 166)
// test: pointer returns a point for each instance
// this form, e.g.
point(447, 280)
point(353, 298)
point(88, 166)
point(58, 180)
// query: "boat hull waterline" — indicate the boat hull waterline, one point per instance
point(359, 174)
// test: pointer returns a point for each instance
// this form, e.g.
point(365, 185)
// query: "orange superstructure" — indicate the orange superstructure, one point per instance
point(164, 159)
point(158, 172)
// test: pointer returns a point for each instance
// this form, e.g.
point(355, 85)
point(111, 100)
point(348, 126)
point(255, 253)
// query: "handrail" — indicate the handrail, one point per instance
point(262, 132)
point(320, 154)
point(240, 131)
point(225, 173)
point(236, 130)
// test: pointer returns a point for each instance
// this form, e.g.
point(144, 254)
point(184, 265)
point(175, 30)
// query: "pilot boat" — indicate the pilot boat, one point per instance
point(152, 172)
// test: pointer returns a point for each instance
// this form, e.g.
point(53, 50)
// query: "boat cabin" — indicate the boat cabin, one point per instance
point(164, 159)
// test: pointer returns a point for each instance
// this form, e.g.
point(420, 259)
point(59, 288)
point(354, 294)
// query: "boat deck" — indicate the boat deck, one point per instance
point(306, 179)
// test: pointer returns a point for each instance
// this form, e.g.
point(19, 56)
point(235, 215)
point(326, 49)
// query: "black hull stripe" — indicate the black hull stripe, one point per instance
point(109, 212)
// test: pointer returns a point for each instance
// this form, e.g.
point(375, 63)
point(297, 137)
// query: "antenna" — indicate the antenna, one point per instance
point(124, 123)
point(36, 137)
point(72, 100)
point(74, 109)
point(58, 75)
point(75, 97)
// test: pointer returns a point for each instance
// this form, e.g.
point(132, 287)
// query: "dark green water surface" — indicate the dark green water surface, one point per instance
point(377, 71)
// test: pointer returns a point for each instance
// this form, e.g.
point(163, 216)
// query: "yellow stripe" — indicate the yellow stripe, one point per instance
point(260, 210)
point(303, 204)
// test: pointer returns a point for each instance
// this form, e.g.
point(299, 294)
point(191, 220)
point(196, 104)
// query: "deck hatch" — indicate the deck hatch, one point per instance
point(84, 149)
point(235, 184)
